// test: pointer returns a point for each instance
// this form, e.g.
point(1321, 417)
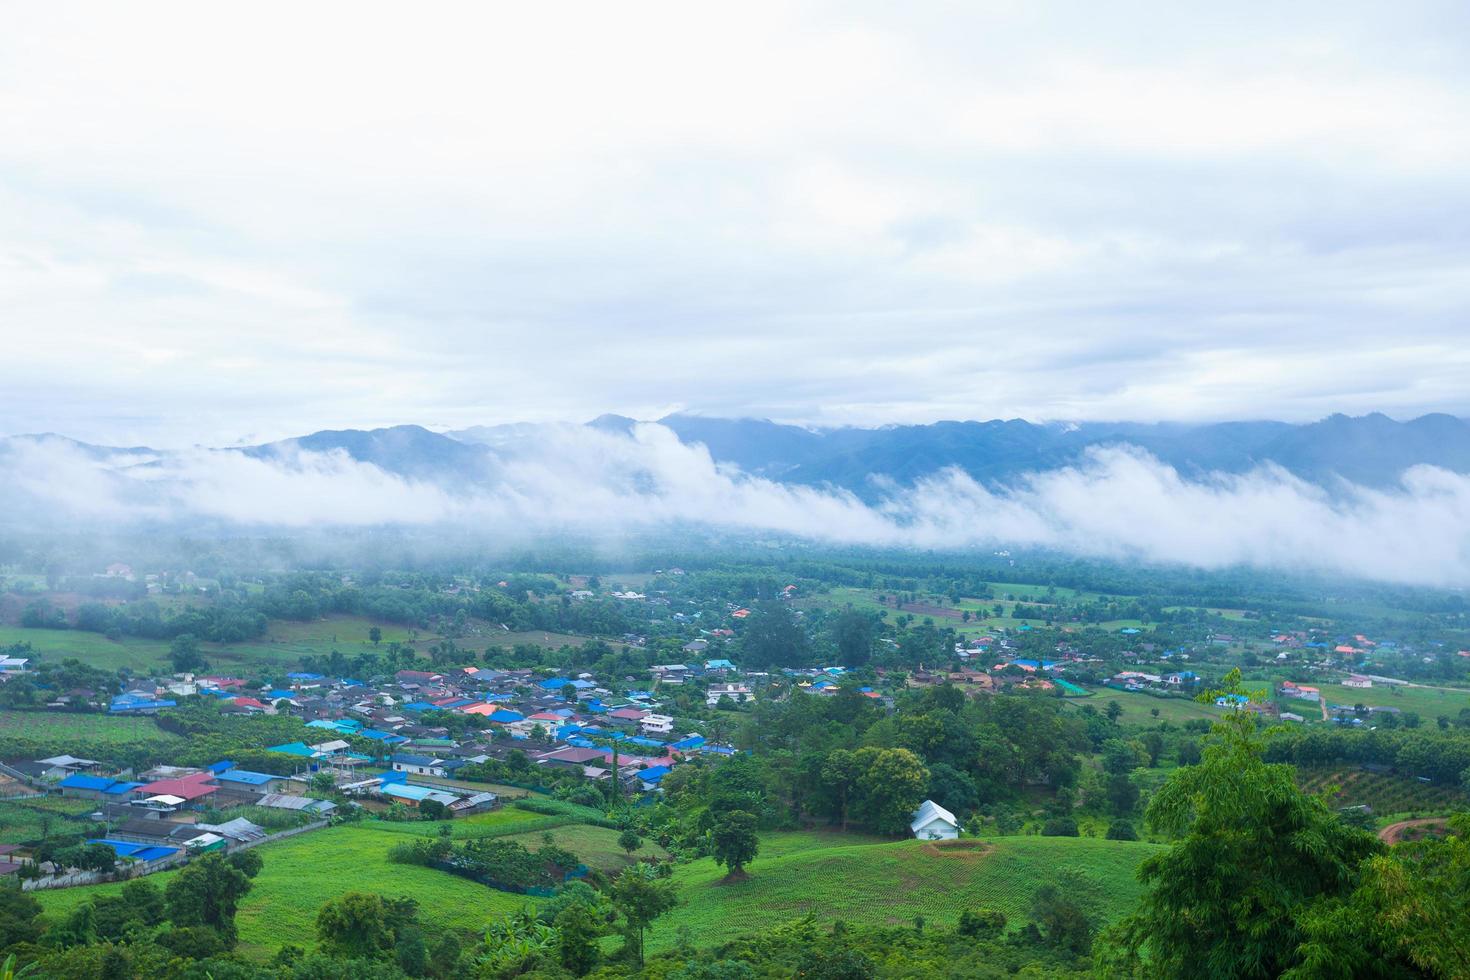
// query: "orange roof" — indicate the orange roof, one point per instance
point(484, 708)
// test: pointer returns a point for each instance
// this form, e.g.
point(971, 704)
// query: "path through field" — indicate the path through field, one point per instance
point(1394, 832)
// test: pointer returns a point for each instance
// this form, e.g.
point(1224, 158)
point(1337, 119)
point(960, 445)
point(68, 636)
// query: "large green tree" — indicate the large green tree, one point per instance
point(206, 893)
point(735, 841)
point(1252, 856)
point(641, 898)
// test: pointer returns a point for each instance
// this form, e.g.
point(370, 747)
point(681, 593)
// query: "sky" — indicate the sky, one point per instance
point(232, 224)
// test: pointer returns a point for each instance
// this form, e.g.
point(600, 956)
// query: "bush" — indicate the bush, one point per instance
point(982, 923)
point(1059, 827)
point(1121, 830)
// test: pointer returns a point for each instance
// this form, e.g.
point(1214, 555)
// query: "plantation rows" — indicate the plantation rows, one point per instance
point(1384, 792)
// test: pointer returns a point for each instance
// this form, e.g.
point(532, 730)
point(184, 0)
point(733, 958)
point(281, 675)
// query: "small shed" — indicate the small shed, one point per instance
point(933, 822)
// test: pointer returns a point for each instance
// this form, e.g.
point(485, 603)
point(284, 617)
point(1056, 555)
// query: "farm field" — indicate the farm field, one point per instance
point(952, 616)
point(31, 819)
point(1137, 707)
point(93, 649)
point(596, 846)
point(1428, 703)
point(1388, 794)
point(891, 883)
point(61, 730)
point(501, 638)
point(497, 823)
point(286, 642)
point(302, 873)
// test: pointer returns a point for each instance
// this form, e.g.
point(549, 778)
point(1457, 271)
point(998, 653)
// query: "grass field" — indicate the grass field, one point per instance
point(538, 637)
point(496, 823)
point(1428, 703)
point(90, 648)
point(302, 873)
point(891, 883)
point(596, 846)
point(284, 644)
point(1137, 707)
point(60, 730)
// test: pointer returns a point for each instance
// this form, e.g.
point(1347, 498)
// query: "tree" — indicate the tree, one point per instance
point(375, 635)
point(629, 840)
point(1252, 855)
point(771, 637)
point(1409, 915)
point(839, 775)
point(641, 898)
point(355, 926)
point(576, 933)
point(735, 842)
point(1121, 830)
point(19, 913)
point(1114, 711)
point(1062, 919)
point(206, 893)
point(890, 787)
point(853, 633)
point(184, 654)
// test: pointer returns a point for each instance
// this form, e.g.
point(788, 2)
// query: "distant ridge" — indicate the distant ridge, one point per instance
point(1372, 450)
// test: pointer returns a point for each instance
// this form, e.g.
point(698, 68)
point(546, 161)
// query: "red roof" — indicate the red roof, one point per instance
point(189, 787)
point(248, 702)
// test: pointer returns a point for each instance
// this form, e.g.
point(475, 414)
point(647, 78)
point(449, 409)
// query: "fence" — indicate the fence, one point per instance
point(134, 870)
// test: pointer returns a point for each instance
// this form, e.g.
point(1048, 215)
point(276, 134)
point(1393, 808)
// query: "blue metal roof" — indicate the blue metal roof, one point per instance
point(245, 776)
point(80, 781)
point(138, 852)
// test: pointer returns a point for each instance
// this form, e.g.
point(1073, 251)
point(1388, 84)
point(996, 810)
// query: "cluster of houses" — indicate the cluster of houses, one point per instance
point(155, 817)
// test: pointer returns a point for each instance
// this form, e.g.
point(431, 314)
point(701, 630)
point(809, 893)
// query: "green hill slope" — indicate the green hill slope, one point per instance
point(891, 883)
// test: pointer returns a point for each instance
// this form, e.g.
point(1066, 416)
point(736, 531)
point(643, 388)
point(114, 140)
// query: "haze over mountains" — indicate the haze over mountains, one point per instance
point(1370, 451)
point(1366, 497)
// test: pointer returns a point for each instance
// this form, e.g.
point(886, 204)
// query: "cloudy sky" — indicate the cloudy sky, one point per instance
point(222, 224)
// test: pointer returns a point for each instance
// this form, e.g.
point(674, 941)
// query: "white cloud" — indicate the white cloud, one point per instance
point(1119, 503)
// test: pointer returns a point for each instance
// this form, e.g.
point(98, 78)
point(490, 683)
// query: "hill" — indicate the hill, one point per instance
point(833, 876)
point(860, 880)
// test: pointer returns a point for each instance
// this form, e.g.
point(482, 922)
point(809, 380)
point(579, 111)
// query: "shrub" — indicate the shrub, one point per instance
point(1059, 827)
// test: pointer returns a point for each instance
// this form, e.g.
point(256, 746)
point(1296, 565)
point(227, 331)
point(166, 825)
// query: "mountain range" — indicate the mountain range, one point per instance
point(1371, 450)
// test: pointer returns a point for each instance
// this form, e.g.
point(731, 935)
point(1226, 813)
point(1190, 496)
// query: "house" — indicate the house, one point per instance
point(1357, 680)
point(414, 795)
point(739, 693)
point(419, 765)
point(933, 822)
point(243, 782)
point(657, 724)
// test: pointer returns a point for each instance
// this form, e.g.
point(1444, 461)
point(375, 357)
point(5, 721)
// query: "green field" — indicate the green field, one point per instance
point(1428, 703)
point(61, 730)
point(496, 823)
point(891, 883)
point(302, 873)
point(284, 644)
point(1137, 707)
point(596, 846)
point(27, 820)
point(93, 649)
point(981, 610)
